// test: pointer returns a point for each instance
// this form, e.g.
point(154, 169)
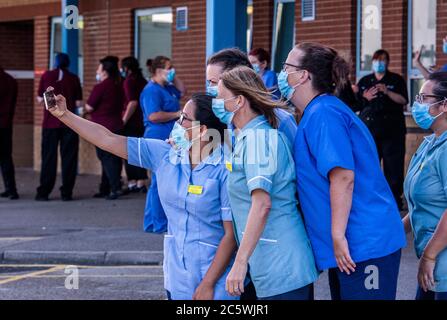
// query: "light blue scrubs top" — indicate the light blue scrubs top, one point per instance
point(156, 98)
point(426, 192)
point(286, 124)
point(195, 221)
point(282, 260)
point(330, 135)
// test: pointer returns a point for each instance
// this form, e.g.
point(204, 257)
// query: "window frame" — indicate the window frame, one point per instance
point(146, 12)
point(413, 73)
point(274, 38)
point(358, 59)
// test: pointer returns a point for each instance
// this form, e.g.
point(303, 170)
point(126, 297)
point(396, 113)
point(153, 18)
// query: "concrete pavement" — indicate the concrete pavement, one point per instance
point(118, 260)
point(85, 231)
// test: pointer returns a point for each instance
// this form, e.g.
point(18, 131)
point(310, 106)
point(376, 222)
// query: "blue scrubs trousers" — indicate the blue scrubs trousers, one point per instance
point(155, 220)
point(354, 286)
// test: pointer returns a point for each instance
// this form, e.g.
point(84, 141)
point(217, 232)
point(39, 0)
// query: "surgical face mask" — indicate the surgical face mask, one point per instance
point(123, 73)
point(221, 113)
point(379, 66)
point(171, 75)
point(444, 47)
point(421, 114)
point(257, 68)
point(211, 90)
point(283, 84)
point(178, 136)
point(98, 77)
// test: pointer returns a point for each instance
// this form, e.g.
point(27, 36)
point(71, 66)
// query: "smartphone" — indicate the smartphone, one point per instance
point(50, 99)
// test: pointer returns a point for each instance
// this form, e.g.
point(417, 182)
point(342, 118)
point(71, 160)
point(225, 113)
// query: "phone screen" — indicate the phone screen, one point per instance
point(50, 99)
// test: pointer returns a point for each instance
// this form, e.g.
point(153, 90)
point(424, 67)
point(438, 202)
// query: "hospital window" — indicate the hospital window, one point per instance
point(56, 43)
point(421, 33)
point(153, 34)
point(283, 32)
point(369, 34)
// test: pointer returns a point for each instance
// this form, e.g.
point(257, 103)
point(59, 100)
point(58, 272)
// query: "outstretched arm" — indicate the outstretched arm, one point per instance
point(90, 131)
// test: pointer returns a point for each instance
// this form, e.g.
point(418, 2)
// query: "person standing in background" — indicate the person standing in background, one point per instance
point(383, 97)
point(55, 132)
point(260, 59)
point(8, 99)
point(105, 105)
point(134, 84)
point(160, 104)
point(427, 71)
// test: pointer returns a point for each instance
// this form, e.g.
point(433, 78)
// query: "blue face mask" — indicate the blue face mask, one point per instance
point(98, 78)
point(123, 73)
point(221, 113)
point(379, 66)
point(283, 84)
point(211, 90)
point(171, 75)
point(421, 114)
point(444, 47)
point(257, 68)
point(178, 136)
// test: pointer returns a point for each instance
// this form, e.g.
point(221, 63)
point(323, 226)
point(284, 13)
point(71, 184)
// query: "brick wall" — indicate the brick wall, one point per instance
point(17, 54)
point(189, 47)
point(394, 33)
point(263, 24)
point(334, 25)
point(41, 62)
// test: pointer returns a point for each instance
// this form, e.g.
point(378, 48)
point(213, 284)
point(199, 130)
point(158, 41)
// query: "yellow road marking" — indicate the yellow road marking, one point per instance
point(30, 275)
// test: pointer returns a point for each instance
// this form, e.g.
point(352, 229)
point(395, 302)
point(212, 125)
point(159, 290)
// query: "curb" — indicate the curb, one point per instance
point(96, 258)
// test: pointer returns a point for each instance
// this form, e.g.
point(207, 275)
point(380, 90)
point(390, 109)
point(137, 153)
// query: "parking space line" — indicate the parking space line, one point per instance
point(30, 275)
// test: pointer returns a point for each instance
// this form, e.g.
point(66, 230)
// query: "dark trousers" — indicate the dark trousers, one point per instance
point(69, 147)
point(303, 294)
point(111, 172)
point(392, 151)
point(375, 279)
point(430, 295)
point(6, 163)
point(132, 172)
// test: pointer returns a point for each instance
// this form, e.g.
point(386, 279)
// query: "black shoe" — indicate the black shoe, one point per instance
point(142, 189)
point(67, 198)
point(113, 196)
point(40, 197)
point(133, 189)
point(100, 195)
point(5, 194)
point(14, 196)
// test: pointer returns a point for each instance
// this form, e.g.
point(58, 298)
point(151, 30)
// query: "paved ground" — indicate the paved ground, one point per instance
point(116, 260)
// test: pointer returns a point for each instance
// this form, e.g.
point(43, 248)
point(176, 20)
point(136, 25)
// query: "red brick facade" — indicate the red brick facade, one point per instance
point(262, 23)
point(109, 29)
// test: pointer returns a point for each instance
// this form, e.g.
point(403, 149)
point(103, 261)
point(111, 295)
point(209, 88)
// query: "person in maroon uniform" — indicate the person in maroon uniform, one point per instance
point(55, 133)
point(8, 98)
point(105, 106)
point(133, 85)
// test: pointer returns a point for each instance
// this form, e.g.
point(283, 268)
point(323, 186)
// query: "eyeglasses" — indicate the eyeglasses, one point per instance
point(420, 98)
point(285, 65)
point(183, 116)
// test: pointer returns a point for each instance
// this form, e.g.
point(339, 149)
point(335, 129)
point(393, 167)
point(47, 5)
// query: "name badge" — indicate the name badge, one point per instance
point(195, 189)
point(229, 166)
